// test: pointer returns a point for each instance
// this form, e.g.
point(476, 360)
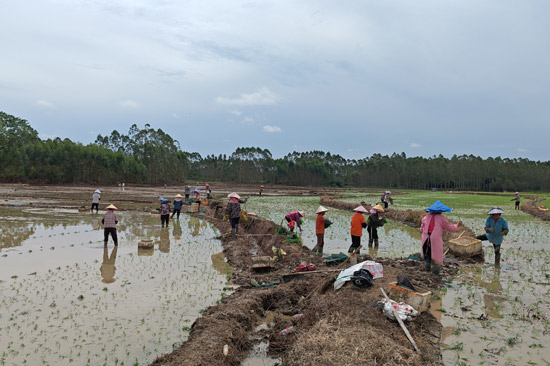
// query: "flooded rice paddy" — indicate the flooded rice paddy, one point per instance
point(65, 299)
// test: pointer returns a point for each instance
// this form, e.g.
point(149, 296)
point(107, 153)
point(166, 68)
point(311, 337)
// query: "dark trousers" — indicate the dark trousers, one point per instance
point(176, 211)
point(385, 204)
point(112, 231)
point(96, 205)
point(234, 222)
point(355, 243)
point(186, 199)
point(517, 205)
point(373, 234)
point(165, 218)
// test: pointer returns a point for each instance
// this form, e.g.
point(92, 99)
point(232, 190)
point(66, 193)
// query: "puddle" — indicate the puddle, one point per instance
point(258, 356)
point(68, 300)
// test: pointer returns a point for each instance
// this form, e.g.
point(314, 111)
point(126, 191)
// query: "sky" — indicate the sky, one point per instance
point(353, 78)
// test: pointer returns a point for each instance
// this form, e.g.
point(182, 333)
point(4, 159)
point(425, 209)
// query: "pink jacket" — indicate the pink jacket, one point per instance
point(441, 224)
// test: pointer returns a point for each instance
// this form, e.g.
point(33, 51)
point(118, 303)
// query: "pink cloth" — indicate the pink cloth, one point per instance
point(440, 224)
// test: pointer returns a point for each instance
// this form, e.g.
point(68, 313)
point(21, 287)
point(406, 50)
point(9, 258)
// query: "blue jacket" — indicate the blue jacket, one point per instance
point(178, 203)
point(496, 237)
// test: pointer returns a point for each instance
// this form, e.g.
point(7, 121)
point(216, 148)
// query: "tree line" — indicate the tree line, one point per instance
point(150, 156)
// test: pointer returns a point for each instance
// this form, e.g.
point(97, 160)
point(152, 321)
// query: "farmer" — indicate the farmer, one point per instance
point(261, 189)
point(385, 198)
point(294, 216)
point(373, 223)
point(109, 222)
point(198, 197)
point(178, 203)
point(208, 191)
point(233, 209)
point(186, 193)
point(165, 211)
point(320, 229)
point(357, 225)
point(495, 229)
point(517, 199)
point(432, 227)
point(95, 200)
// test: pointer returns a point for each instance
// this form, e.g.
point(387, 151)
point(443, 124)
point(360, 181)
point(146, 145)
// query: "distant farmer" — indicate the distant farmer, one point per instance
point(197, 197)
point(432, 227)
point(358, 223)
point(385, 198)
point(208, 191)
point(517, 199)
point(320, 229)
point(233, 209)
point(495, 229)
point(373, 223)
point(178, 203)
point(186, 193)
point(165, 212)
point(109, 222)
point(95, 200)
point(261, 189)
point(294, 216)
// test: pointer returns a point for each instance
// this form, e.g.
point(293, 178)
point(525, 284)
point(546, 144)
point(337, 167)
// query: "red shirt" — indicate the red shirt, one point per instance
point(356, 224)
point(320, 224)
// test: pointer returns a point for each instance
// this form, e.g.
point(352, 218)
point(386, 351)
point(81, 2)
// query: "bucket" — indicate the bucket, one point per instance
point(419, 299)
point(145, 244)
point(465, 246)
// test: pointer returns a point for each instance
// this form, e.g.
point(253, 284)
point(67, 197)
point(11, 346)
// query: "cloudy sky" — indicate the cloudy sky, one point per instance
point(349, 77)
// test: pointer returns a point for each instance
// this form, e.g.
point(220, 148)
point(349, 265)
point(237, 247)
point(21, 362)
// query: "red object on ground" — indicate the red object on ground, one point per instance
point(301, 268)
point(311, 267)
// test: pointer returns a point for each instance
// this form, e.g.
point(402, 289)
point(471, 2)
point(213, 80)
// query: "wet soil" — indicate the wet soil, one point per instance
point(342, 327)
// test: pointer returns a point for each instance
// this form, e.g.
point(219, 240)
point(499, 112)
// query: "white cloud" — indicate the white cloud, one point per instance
point(45, 104)
point(415, 145)
point(176, 116)
point(248, 121)
point(236, 112)
point(264, 96)
point(129, 104)
point(522, 150)
point(272, 129)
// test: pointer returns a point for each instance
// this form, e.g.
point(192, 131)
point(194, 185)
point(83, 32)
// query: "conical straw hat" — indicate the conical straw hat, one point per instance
point(234, 195)
point(179, 195)
point(111, 207)
point(321, 209)
point(360, 209)
point(378, 208)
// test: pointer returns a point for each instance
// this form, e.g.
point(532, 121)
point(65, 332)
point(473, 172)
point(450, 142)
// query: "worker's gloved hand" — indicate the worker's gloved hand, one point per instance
point(488, 229)
point(505, 232)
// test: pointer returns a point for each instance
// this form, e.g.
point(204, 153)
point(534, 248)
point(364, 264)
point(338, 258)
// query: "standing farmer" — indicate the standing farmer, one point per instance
point(109, 222)
point(517, 199)
point(495, 229)
point(385, 198)
point(178, 203)
point(186, 193)
point(433, 225)
point(320, 229)
point(357, 225)
point(233, 209)
point(373, 223)
point(198, 197)
point(165, 212)
point(95, 201)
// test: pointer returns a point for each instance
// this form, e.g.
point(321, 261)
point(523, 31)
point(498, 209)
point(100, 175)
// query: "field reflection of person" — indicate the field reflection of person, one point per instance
point(164, 241)
point(432, 227)
point(176, 232)
point(495, 229)
point(195, 225)
point(108, 266)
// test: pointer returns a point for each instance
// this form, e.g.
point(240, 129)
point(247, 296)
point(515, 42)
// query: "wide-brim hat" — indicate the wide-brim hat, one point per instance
point(360, 209)
point(234, 195)
point(111, 207)
point(495, 210)
point(179, 195)
point(197, 191)
point(321, 209)
point(164, 200)
point(517, 193)
point(388, 192)
point(97, 191)
point(378, 208)
point(438, 207)
point(302, 213)
point(262, 186)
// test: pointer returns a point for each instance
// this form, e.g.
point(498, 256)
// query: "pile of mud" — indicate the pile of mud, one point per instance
point(530, 207)
point(342, 327)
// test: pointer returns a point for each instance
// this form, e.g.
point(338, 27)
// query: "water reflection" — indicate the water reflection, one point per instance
point(195, 225)
point(108, 266)
point(176, 231)
point(95, 223)
point(492, 298)
point(164, 241)
point(373, 252)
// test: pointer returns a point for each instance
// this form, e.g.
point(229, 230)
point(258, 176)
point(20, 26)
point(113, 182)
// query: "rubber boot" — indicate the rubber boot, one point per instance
point(233, 231)
point(104, 243)
point(315, 249)
point(428, 263)
point(435, 269)
point(370, 242)
point(236, 229)
point(497, 256)
point(376, 243)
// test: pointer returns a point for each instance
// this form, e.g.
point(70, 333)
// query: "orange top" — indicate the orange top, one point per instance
point(320, 224)
point(356, 224)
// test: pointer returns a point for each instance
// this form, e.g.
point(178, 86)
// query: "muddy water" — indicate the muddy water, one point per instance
point(65, 299)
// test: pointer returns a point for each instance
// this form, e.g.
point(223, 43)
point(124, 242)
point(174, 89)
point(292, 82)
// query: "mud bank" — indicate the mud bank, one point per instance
point(338, 327)
point(530, 207)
